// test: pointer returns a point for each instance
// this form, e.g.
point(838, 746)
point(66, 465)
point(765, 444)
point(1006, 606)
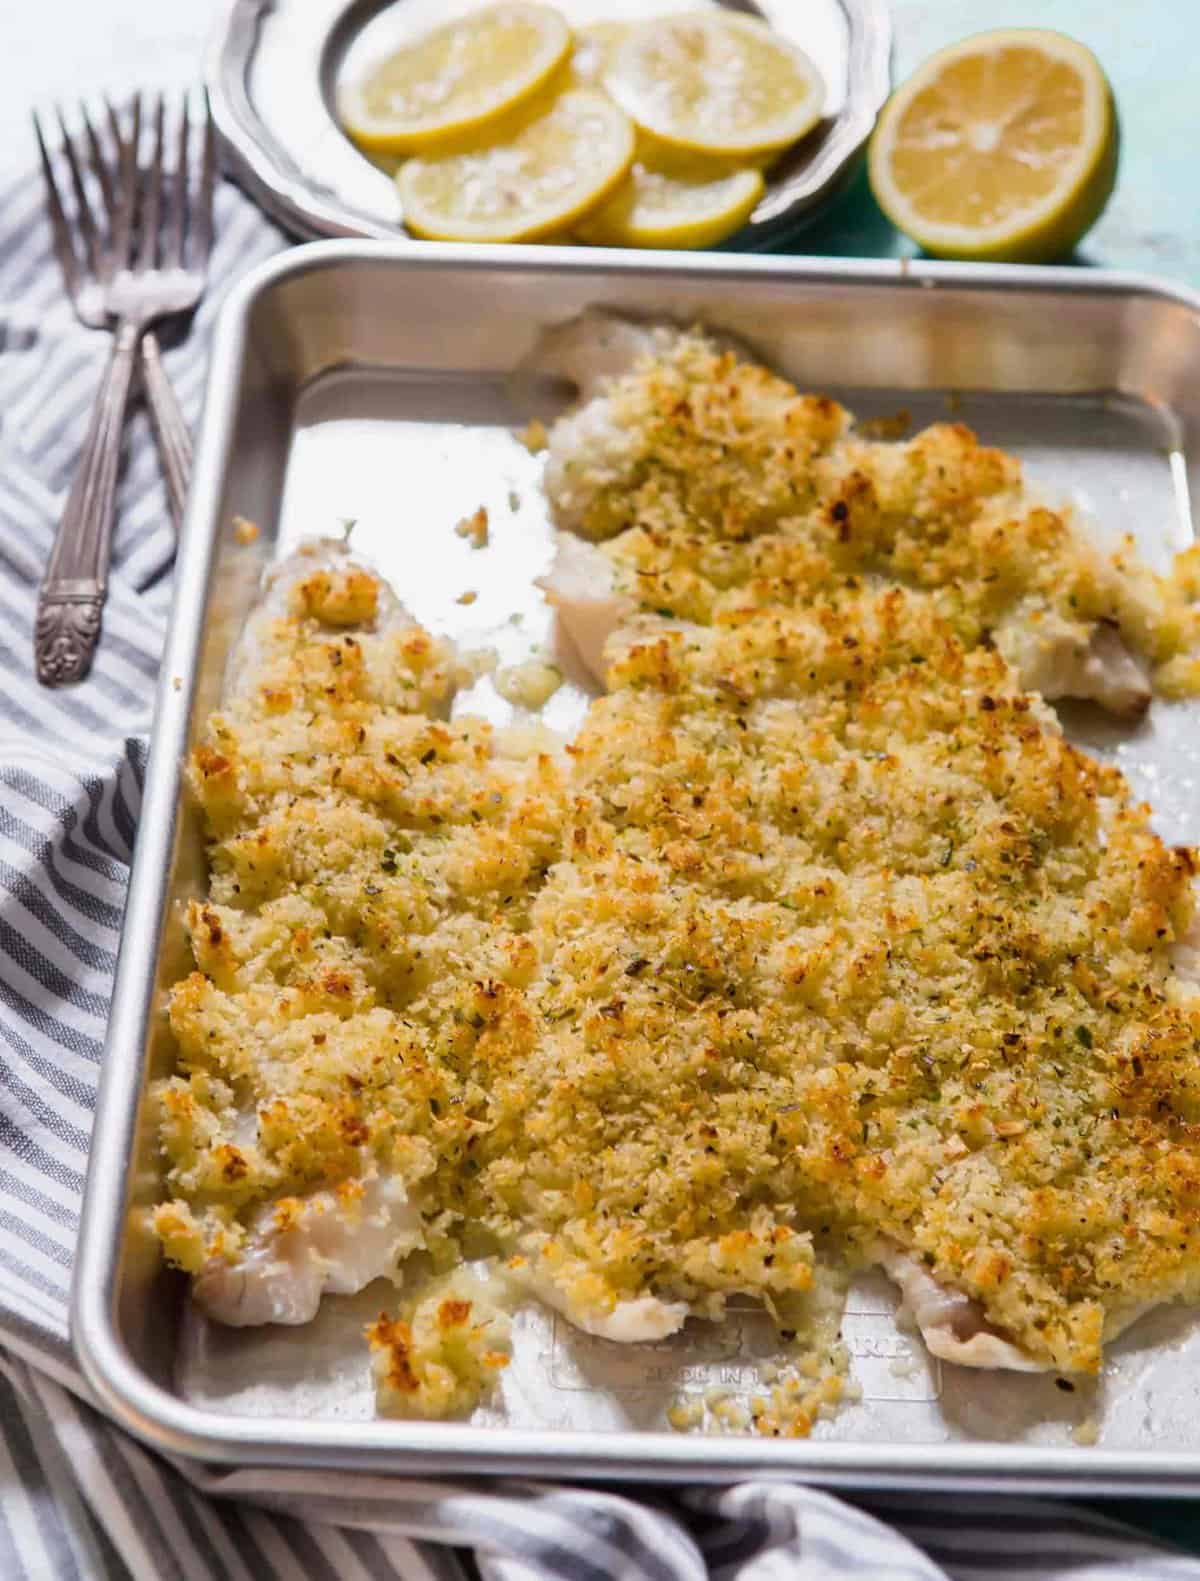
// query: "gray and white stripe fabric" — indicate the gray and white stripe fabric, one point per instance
point(79, 1500)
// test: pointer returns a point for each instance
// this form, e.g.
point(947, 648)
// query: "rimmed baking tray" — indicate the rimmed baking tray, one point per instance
point(372, 382)
point(274, 66)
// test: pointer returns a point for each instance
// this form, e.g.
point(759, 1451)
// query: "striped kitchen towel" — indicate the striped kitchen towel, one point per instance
point(79, 1500)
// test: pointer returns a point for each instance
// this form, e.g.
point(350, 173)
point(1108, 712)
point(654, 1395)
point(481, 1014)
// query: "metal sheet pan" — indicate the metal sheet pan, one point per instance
point(371, 381)
point(274, 67)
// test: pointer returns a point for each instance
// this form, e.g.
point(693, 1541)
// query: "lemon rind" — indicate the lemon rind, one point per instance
point(702, 230)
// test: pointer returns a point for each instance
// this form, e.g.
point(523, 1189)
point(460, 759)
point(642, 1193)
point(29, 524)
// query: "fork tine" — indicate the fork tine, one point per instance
point(99, 164)
point(64, 249)
point(177, 197)
point(148, 248)
point(127, 169)
point(202, 220)
point(114, 123)
point(84, 219)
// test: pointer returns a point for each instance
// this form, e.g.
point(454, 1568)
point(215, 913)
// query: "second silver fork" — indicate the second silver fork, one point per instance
point(149, 265)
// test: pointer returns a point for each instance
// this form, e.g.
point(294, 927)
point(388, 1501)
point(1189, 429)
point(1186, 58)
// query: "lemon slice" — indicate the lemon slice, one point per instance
point(595, 47)
point(1001, 147)
point(715, 83)
point(674, 206)
point(555, 165)
point(456, 79)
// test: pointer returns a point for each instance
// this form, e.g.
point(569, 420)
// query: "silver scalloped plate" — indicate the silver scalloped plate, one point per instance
point(275, 66)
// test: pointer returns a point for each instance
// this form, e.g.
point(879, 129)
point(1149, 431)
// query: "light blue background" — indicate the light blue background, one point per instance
point(1151, 52)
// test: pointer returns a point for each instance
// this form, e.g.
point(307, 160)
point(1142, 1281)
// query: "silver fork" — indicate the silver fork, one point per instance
point(149, 265)
point(85, 277)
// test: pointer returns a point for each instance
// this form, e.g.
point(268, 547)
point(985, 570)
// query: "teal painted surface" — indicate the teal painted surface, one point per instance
point(1148, 48)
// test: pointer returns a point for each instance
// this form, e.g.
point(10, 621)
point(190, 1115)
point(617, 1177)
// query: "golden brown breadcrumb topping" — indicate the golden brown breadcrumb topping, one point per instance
point(821, 934)
point(717, 487)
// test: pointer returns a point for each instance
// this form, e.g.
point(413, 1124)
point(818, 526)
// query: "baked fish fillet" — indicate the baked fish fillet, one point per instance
point(708, 484)
point(370, 863)
point(850, 932)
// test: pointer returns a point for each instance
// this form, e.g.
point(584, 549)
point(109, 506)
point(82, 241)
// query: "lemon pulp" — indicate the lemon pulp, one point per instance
point(555, 165)
point(715, 83)
point(595, 46)
point(456, 79)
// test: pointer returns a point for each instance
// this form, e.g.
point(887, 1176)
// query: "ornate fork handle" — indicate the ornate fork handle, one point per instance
point(72, 593)
point(170, 428)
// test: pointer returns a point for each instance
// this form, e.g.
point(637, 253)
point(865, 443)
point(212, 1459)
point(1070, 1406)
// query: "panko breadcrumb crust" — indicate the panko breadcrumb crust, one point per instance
point(820, 934)
point(714, 487)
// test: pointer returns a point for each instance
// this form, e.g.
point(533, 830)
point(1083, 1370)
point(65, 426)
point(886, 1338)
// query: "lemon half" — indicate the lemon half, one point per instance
point(1001, 147)
point(715, 83)
point(674, 206)
point(553, 167)
point(456, 79)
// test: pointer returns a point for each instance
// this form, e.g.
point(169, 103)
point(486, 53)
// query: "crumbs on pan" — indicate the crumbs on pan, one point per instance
point(794, 1397)
point(244, 530)
point(529, 685)
point(475, 528)
point(534, 437)
point(441, 1355)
